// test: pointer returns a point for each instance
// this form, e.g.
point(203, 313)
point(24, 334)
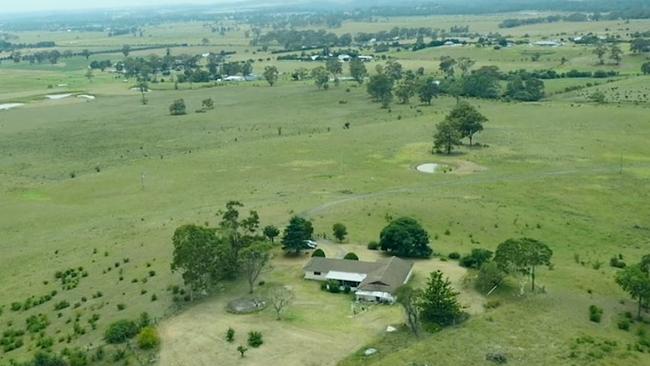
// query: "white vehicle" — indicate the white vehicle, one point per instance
point(311, 244)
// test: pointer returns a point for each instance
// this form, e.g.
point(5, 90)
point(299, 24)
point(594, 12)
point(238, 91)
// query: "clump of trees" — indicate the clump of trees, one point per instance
point(635, 280)
point(205, 256)
point(405, 237)
point(464, 121)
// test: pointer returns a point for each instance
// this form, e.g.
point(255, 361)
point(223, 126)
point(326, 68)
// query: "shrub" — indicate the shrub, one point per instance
point(489, 276)
point(230, 335)
point(373, 245)
point(148, 338)
point(145, 320)
point(595, 313)
point(255, 339)
point(496, 357)
point(318, 253)
point(454, 255)
point(351, 256)
point(333, 286)
point(624, 324)
point(120, 331)
point(177, 108)
point(616, 262)
point(476, 258)
point(36, 323)
point(121, 307)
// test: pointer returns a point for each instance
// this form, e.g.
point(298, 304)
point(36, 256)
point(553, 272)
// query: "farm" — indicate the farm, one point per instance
point(99, 173)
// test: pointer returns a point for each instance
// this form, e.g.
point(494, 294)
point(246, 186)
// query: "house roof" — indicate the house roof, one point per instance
point(384, 275)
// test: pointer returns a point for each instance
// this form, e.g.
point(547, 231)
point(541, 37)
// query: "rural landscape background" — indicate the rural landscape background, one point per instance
point(121, 129)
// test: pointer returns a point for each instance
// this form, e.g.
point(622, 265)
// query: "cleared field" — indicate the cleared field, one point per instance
point(102, 184)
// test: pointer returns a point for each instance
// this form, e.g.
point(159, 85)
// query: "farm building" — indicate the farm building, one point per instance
point(370, 281)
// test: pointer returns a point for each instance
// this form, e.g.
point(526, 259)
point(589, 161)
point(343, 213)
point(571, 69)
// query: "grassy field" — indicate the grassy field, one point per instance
point(102, 185)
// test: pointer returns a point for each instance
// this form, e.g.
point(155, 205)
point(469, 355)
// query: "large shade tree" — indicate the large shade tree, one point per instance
point(405, 237)
point(195, 256)
point(523, 256)
point(446, 137)
point(635, 280)
point(467, 120)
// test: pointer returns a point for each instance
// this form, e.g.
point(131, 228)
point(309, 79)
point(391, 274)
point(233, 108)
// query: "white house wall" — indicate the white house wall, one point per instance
point(314, 276)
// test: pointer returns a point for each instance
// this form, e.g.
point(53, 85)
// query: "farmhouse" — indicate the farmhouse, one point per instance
point(370, 281)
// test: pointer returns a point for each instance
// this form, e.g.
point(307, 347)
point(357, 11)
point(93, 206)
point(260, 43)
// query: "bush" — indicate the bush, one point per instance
point(489, 276)
point(148, 338)
point(333, 286)
point(318, 253)
point(498, 358)
point(255, 339)
point(476, 258)
point(121, 307)
point(120, 331)
point(616, 262)
point(177, 108)
point(624, 324)
point(373, 245)
point(351, 256)
point(454, 255)
point(230, 335)
point(595, 313)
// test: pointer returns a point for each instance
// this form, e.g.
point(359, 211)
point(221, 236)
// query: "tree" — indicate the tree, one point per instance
point(467, 120)
point(404, 237)
point(85, 53)
point(280, 298)
point(393, 70)
point(271, 75)
point(635, 281)
point(89, 75)
point(242, 350)
point(143, 87)
point(207, 104)
point(126, 50)
point(120, 331)
point(645, 68)
point(340, 231)
point(177, 108)
point(404, 90)
point(271, 232)
point(616, 54)
point(408, 298)
point(427, 89)
point(351, 256)
point(334, 66)
point(296, 233)
point(523, 256)
point(318, 253)
point(358, 70)
point(489, 276)
point(482, 83)
point(321, 77)
point(446, 136)
point(447, 66)
point(195, 252)
point(600, 52)
point(247, 69)
point(476, 258)
point(464, 64)
point(525, 88)
point(380, 88)
point(254, 259)
point(439, 301)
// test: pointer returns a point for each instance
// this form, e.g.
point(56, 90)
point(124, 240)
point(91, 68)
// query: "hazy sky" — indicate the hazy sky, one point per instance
point(39, 5)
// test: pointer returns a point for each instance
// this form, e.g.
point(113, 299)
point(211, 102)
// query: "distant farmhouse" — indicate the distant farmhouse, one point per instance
point(370, 281)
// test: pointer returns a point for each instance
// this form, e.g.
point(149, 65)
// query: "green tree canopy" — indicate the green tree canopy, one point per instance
point(446, 137)
point(340, 231)
point(523, 256)
point(195, 254)
point(439, 301)
point(409, 298)
point(321, 77)
point(351, 256)
point(427, 89)
point(271, 232)
point(635, 280)
point(254, 259)
point(271, 74)
point(358, 70)
point(404, 237)
point(380, 88)
point(467, 120)
point(296, 233)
